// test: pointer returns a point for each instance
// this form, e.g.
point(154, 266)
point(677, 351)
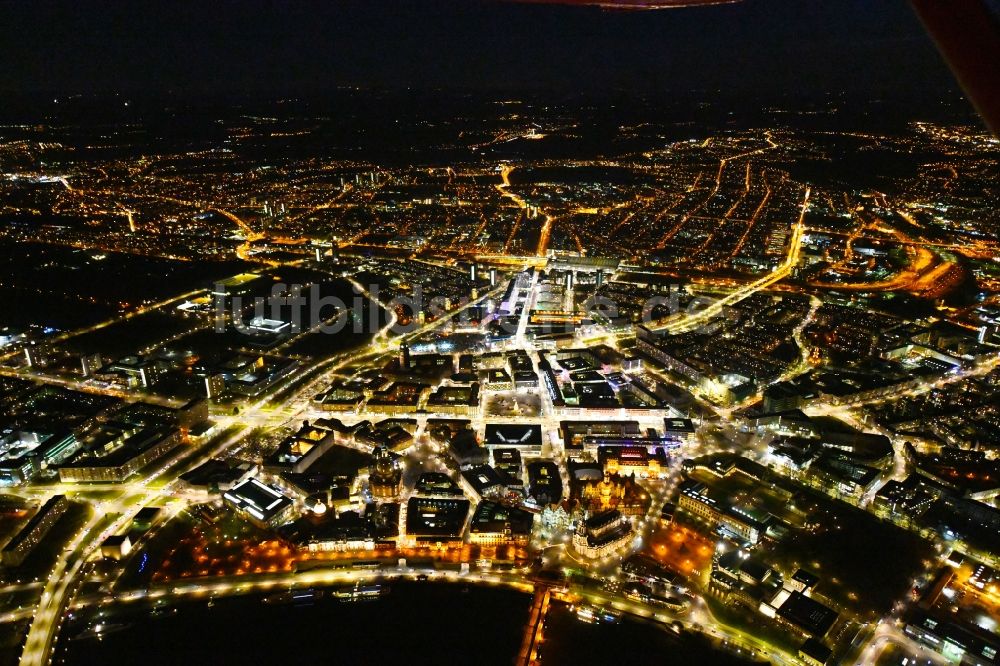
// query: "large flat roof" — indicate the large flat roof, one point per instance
point(513, 434)
point(495, 517)
point(435, 517)
point(810, 615)
point(258, 499)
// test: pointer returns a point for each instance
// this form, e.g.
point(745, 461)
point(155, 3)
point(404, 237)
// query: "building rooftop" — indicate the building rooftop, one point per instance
point(807, 579)
point(813, 649)
point(513, 434)
point(101, 452)
point(482, 478)
point(678, 425)
point(437, 483)
point(431, 517)
point(257, 499)
point(808, 614)
point(495, 517)
point(603, 519)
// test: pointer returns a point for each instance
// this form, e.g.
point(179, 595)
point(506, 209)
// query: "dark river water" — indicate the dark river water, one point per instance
point(415, 623)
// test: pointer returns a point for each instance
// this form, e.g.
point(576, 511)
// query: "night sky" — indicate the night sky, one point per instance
point(874, 48)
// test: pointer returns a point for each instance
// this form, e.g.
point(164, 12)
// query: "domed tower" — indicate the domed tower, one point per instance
point(386, 477)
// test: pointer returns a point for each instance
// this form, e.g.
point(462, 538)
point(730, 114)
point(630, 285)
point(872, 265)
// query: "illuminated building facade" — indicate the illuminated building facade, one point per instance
point(602, 534)
point(611, 491)
point(386, 477)
point(259, 503)
point(633, 460)
point(494, 524)
point(28, 538)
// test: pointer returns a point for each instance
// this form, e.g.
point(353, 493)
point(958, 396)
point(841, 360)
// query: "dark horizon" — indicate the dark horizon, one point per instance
point(761, 49)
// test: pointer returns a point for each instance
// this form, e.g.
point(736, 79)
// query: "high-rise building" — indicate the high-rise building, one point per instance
point(472, 272)
point(90, 364)
point(404, 356)
point(33, 355)
point(493, 277)
point(25, 541)
point(215, 385)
